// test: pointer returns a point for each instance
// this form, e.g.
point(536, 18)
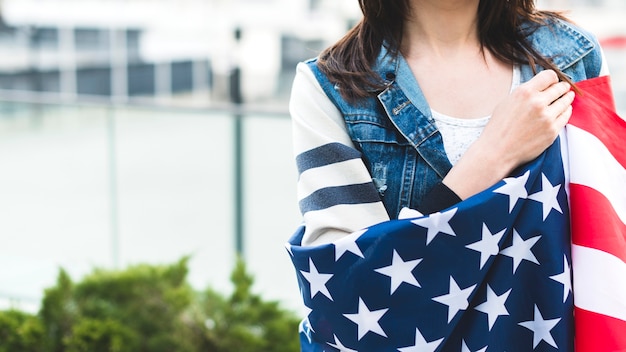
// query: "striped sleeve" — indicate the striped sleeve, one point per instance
point(335, 191)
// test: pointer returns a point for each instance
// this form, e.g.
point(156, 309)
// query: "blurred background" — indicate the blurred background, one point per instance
point(141, 131)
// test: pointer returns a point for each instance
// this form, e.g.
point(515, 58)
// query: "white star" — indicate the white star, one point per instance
point(338, 345)
point(318, 281)
point(367, 320)
point(348, 244)
point(515, 188)
point(400, 271)
point(437, 223)
point(308, 312)
point(547, 197)
point(456, 299)
point(421, 345)
point(488, 246)
point(564, 279)
point(521, 250)
point(494, 306)
point(464, 348)
point(541, 329)
point(306, 329)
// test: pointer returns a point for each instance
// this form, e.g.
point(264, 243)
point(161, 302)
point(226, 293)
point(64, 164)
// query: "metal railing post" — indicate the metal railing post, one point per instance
point(113, 191)
point(237, 99)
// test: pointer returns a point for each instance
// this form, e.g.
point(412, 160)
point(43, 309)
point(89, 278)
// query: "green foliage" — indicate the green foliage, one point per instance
point(20, 332)
point(90, 335)
point(149, 309)
point(245, 323)
point(58, 312)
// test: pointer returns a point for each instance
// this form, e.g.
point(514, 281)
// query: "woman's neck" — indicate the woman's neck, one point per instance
point(441, 27)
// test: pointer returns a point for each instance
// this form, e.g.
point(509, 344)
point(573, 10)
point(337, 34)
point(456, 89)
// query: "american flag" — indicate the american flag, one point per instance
point(492, 273)
point(598, 210)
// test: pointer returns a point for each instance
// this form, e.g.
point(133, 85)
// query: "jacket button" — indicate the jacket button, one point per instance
point(390, 76)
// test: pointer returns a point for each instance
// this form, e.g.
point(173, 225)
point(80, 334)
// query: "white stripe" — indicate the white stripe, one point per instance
point(592, 165)
point(599, 282)
point(330, 224)
point(316, 120)
point(565, 158)
point(345, 173)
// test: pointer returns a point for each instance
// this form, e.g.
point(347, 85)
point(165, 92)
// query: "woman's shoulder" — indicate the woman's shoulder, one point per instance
point(567, 43)
point(556, 34)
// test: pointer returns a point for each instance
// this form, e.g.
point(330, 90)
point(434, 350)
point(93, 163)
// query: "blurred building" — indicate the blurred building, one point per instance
point(190, 48)
point(164, 48)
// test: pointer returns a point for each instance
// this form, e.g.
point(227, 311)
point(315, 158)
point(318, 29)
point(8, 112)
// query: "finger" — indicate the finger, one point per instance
point(556, 91)
point(561, 105)
point(564, 117)
point(543, 80)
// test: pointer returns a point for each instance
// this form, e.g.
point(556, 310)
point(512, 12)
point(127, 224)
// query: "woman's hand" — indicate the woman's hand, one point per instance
point(522, 126)
point(529, 119)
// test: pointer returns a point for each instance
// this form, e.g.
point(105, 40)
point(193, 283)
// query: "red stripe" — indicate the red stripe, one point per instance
point(595, 327)
point(592, 113)
point(595, 223)
point(613, 42)
point(597, 90)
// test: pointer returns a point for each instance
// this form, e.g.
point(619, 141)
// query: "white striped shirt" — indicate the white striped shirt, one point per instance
point(335, 190)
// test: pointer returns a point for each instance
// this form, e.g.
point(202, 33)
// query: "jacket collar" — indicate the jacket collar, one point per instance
point(559, 41)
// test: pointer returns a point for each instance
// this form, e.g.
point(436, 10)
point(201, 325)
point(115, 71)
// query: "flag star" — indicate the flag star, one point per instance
point(488, 246)
point(305, 328)
point(541, 329)
point(456, 299)
point(437, 223)
point(494, 306)
point(348, 244)
point(515, 188)
point(421, 345)
point(338, 345)
point(367, 320)
point(564, 279)
point(464, 348)
point(308, 312)
point(547, 197)
point(400, 271)
point(317, 280)
point(521, 250)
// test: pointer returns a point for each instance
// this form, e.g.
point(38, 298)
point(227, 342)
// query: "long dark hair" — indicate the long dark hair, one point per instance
point(349, 61)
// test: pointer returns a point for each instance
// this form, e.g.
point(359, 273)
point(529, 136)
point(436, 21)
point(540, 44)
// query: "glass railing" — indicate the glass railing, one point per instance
point(100, 184)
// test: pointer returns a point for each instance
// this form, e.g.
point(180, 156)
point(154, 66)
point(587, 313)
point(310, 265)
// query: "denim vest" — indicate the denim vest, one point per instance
point(396, 134)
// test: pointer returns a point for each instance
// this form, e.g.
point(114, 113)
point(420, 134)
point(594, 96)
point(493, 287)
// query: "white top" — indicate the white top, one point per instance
point(459, 133)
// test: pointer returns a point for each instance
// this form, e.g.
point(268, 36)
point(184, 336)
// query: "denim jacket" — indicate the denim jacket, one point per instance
point(395, 132)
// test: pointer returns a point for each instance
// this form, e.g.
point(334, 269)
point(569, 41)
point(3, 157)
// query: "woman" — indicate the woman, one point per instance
point(425, 90)
point(422, 105)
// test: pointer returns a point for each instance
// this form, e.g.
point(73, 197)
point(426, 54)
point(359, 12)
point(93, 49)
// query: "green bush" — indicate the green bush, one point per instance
point(153, 309)
point(90, 335)
point(245, 323)
point(20, 332)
